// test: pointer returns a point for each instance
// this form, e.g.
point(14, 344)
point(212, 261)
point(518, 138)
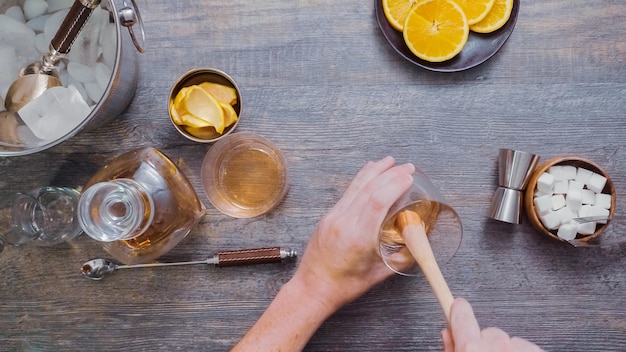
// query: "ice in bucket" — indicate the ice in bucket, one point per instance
point(55, 113)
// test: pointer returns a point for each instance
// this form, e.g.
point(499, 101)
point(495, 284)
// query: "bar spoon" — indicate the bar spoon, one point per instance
point(96, 269)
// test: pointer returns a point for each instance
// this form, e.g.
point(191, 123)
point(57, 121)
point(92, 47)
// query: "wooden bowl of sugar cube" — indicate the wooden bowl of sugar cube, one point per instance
point(564, 189)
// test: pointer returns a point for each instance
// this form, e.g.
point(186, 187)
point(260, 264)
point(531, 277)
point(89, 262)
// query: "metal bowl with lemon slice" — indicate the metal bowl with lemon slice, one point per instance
point(204, 105)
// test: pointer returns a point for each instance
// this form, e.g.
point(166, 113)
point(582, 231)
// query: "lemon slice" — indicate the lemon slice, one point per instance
point(202, 132)
point(175, 115)
point(222, 93)
point(496, 18)
point(199, 103)
point(436, 30)
point(230, 115)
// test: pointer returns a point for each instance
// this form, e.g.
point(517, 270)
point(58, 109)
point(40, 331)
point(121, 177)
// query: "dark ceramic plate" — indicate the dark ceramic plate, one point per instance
point(479, 48)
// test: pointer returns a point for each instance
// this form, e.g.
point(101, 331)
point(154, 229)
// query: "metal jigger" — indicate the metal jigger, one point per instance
point(514, 168)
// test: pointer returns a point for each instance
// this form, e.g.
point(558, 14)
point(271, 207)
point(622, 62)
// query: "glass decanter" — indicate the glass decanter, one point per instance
point(139, 206)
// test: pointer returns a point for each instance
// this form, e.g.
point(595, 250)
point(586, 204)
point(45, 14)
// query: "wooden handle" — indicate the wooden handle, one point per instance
point(249, 256)
point(72, 25)
point(412, 227)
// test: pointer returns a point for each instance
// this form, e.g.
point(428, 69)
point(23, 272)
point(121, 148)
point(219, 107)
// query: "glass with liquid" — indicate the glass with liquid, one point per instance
point(139, 206)
point(442, 224)
point(244, 175)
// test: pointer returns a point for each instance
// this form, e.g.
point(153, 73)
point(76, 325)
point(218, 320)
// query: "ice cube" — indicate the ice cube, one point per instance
point(55, 113)
point(17, 35)
point(108, 43)
point(85, 49)
point(34, 8)
point(94, 91)
point(56, 5)
point(38, 23)
point(41, 44)
point(16, 13)
point(8, 64)
point(81, 72)
point(103, 75)
point(53, 23)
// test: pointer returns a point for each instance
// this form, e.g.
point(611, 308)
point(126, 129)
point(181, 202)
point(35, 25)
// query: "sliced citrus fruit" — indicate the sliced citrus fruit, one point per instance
point(202, 105)
point(174, 113)
point(230, 115)
point(220, 92)
point(475, 10)
point(396, 11)
point(436, 30)
point(496, 18)
point(202, 132)
point(194, 121)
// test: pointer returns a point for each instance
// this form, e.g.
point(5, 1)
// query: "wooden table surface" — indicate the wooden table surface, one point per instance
point(319, 79)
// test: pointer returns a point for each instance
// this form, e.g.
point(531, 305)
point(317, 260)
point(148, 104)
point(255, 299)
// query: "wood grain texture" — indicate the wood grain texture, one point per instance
point(319, 79)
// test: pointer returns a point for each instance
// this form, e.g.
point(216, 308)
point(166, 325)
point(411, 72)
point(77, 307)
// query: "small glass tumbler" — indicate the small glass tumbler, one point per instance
point(442, 223)
point(45, 216)
point(244, 175)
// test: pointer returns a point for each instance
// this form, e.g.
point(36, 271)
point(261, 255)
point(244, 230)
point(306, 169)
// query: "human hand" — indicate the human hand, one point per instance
point(341, 261)
point(464, 334)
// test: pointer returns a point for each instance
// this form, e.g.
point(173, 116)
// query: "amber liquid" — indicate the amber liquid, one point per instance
point(176, 206)
point(442, 226)
point(250, 180)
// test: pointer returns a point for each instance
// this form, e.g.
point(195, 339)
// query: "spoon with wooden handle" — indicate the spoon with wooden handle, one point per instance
point(414, 235)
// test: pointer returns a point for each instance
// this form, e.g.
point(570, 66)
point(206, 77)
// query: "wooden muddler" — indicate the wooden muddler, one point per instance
point(414, 234)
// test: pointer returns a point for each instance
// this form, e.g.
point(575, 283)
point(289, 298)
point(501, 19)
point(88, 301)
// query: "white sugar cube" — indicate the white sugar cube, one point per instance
point(587, 228)
point(595, 210)
point(596, 182)
point(558, 201)
point(539, 193)
point(603, 200)
point(559, 172)
point(550, 220)
point(574, 199)
point(583, 175)
point(575, 186)
point(545, 182)
point(584, 210)
point(543, 203)
point(567, 231)
point(589, 197)
point(565, 215)
point(561, 186)
point(569, 172)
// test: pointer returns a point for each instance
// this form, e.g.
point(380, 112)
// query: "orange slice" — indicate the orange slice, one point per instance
point(475, 10)
point(436, 30)
point(396, 11)
point(496, 18)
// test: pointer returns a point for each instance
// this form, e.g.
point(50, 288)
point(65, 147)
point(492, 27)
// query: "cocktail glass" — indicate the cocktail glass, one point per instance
point(442, 224)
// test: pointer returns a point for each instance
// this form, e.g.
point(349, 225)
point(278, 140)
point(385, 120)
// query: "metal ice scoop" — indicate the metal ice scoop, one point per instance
point(38, 76)
point(96, 269)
